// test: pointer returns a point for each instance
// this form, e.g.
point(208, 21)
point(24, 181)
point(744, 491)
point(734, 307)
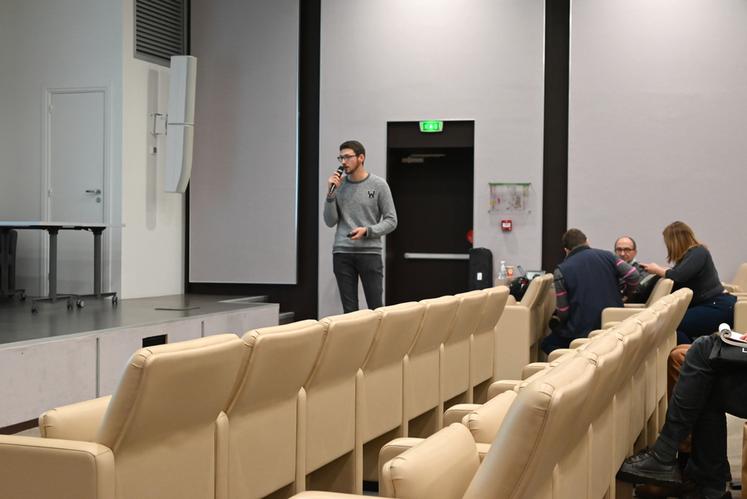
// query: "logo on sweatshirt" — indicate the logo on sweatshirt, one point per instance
point(371, 194)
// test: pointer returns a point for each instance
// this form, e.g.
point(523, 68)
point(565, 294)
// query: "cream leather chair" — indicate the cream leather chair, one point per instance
point(327, 432)
point(611, 315)
point(257, 434)
point(455, 367)
point(153, 438)
point(740, 316)
point(482, 342)
point(379, 384)
point(662, 288)
point(423, 403)
point(520, 330)
point(540, 449)
point(739, 283)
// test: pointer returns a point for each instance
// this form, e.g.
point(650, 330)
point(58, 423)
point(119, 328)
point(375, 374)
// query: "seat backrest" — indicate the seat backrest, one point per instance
point(740, 278)
point(485, 421)
point(381, 383)
point(467, 316)
point(438, 316)
point(662, 288)
point(533, 295)
point(495, 302)
point(441, 466)
point(258, 440)
point(162, 416)
point(544, 423)
point(329, 392)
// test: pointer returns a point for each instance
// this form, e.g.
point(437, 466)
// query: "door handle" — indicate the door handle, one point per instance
point(436, 256)
point(93, 191)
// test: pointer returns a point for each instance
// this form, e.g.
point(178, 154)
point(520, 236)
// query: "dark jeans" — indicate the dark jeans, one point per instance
point(705, 318)
point(347, 267)
point(701, 397)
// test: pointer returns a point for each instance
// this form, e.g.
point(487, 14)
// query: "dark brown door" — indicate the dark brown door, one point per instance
point(431, 177)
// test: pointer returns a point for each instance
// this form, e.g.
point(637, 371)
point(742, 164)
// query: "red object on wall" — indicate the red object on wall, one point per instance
point(470, 237)
point(507, 225)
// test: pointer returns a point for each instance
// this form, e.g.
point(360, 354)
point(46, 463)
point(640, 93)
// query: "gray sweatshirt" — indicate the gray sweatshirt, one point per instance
point(367, 203)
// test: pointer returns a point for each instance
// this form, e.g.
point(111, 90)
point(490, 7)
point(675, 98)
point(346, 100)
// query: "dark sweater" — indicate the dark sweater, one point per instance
point(586, 283)
point(697, 272)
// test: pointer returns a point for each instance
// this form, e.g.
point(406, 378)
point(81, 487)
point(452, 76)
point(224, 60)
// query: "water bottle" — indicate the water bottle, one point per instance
point(502, 270)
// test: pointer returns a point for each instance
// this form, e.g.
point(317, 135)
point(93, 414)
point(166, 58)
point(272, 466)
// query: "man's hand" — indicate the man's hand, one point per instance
point(358, 233)
point(336, 180)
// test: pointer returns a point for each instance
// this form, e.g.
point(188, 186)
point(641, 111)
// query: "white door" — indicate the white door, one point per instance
point(76, 155)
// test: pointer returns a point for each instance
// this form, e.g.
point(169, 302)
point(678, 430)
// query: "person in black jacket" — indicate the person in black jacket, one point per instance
point(586, 282)
point(693, 268)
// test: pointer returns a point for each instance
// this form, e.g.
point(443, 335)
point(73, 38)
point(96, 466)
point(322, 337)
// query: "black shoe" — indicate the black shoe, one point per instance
point(703, 493)
point(645, 467)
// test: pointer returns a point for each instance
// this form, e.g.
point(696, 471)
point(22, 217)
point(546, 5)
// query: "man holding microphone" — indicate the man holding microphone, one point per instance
point(361, 206)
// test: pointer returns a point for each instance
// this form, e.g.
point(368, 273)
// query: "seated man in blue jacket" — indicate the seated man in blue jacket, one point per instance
point(587, 282)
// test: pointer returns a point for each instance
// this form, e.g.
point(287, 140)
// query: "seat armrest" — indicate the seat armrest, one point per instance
point(455, 413)
point(482, 450)
point(597, 332)
point(558, 353)
point(578, 342)
point(79, 421)
point(530, 370)
point(731, 288)
point(500, 386)
point(441, 466)
point(511, 300)
point(396, 447)
point(634, 305)
point(610, 314)
point(45, 468)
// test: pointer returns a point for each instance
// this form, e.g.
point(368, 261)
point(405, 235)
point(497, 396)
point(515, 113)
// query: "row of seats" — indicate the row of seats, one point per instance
point(283, 408)
point(562, 433)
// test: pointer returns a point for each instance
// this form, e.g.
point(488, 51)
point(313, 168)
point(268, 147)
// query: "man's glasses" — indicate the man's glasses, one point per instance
point(623, 250)
point(345, 158)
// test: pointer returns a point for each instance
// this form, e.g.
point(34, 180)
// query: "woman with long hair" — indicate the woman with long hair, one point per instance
point(693, 268)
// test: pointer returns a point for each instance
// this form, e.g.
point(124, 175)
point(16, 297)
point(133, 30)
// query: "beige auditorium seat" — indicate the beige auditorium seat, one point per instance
point(521, 328)
point(744, 455)
point(740, 316)
point(455, 368)
point(662, 288)
point(327, 433)
point(154, 438)
point(379, 385)
point(739, 283)
point(482, 343)
point(423, 404)
point(257, 433)
point(541, 449)
point(610, 315)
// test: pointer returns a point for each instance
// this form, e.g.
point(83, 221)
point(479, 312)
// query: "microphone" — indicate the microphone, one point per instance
point(333, 187)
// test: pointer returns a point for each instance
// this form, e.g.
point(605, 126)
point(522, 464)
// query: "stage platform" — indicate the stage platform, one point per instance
point(59, 356)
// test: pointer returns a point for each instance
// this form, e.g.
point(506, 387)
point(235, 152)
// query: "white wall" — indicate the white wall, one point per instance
point(153, 237)
point(658, 113)
point(243, 194)
point(53, 44)
point(392, 60)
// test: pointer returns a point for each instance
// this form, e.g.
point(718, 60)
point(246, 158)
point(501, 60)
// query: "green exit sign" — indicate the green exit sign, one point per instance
point(431, 126)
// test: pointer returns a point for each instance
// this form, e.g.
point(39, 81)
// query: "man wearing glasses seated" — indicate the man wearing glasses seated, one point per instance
point(626, 249)
point(361, 206)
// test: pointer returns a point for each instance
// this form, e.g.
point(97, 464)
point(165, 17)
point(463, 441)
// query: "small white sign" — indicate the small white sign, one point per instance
point(479, 276)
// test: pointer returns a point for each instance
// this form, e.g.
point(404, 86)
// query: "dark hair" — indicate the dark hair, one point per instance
point(573, 238)
point(635, 246)
point(356, 146)
point(678, 237)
